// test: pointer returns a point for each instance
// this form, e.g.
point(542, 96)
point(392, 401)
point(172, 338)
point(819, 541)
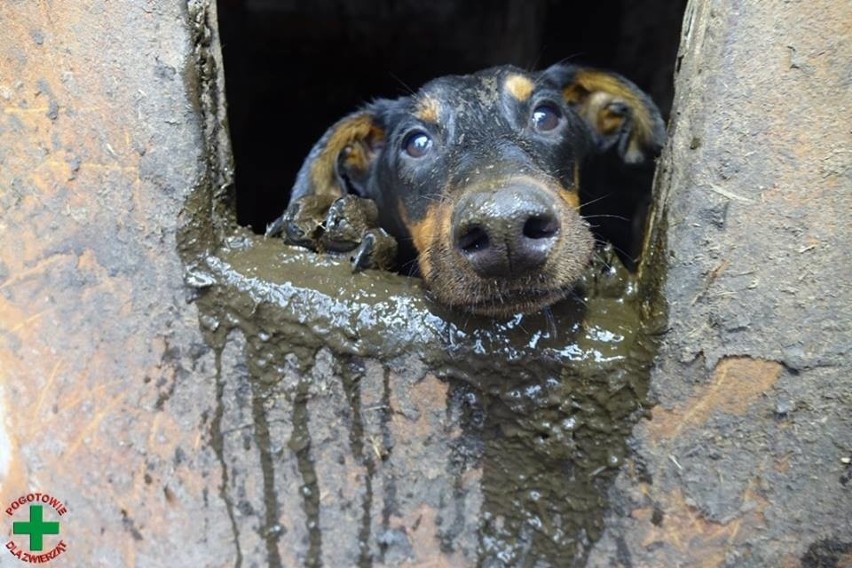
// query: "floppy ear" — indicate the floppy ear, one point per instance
point(337, 165)
point(620, 114)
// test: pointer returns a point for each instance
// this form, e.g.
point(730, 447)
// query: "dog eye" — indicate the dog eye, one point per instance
point(545, 117)
point(417, 144)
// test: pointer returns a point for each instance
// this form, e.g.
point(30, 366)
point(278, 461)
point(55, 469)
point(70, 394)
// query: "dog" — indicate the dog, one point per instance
point(482, 183)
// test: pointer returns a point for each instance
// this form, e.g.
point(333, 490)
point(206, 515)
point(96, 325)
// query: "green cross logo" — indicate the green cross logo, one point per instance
point(36, 527)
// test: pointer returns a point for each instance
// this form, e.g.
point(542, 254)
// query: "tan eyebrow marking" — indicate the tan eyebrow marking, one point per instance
point(428, 109)
point(519, 87)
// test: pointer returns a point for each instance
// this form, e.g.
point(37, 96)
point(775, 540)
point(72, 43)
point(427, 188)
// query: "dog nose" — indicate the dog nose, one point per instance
point(507, 232)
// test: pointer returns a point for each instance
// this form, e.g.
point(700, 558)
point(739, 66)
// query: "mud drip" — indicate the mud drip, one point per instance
point(538, 408)
point(300, 444)
point(352, 373)
point(217, 441)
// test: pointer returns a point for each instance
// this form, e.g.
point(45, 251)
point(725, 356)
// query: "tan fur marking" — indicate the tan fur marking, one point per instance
point(519, 87)
point(570, 197)
point(433, 228)
point(587, 90)
point(428, 109)
point(423, 234)
point(355, 156)
point(358, 129)
point(609, 122)
point(575, 93)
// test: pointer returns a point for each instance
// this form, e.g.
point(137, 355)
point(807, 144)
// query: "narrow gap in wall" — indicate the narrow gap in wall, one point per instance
point(293, 68)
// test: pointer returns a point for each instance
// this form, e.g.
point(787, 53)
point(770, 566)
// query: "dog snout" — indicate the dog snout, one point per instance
point(507, 232)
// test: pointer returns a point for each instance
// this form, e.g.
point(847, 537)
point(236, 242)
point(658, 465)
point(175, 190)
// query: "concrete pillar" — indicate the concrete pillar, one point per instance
point(745, 461)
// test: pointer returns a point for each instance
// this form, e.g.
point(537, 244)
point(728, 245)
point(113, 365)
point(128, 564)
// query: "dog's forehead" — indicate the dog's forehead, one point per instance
point(479, 93)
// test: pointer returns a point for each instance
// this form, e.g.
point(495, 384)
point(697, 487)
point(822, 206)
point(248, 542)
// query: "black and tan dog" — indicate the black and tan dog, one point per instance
point(485, 179)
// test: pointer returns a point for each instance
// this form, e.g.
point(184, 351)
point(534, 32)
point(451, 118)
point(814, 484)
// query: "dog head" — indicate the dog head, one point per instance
point(479, 176)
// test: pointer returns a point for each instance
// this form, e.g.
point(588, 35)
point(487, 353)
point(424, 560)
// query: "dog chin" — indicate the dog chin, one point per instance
point(510, 303)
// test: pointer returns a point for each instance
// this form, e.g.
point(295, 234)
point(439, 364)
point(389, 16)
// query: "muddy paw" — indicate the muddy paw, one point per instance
point(347, 222)
point(302, 223)
point(377, 250)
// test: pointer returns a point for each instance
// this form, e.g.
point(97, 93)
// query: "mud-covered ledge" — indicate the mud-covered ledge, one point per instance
point(375, 425)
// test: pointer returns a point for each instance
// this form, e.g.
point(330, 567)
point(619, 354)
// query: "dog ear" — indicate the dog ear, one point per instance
point(620, 114)
point(337, 165)
point(339, 162)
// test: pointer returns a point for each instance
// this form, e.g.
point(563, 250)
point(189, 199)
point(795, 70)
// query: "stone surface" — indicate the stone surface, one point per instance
point(106, 387)
point(745, 460)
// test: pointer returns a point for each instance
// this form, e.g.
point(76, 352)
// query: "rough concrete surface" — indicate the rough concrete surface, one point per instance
point(106, 386)
point(191, 405)
point(745, 461)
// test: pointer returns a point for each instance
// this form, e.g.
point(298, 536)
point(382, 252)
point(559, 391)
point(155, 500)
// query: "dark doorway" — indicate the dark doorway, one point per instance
point(292, 68)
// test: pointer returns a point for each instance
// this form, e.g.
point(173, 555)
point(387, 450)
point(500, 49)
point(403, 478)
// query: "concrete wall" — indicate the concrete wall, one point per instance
point(745, 460)
point(106, 385)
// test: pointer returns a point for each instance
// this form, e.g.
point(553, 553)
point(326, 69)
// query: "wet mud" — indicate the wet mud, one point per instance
point(541, 406)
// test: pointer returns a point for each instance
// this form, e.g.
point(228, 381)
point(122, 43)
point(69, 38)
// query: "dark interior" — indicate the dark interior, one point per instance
point(292, 68)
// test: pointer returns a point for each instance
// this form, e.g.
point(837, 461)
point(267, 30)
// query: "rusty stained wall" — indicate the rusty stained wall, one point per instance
point(745, 460)
point(105, 382)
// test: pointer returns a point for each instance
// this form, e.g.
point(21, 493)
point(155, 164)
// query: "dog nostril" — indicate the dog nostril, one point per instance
point(473, 240)
point(541, 227)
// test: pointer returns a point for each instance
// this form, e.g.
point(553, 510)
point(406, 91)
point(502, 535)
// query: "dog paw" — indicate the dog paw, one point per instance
point(347, 221)
point(352, 225)
point(376, 250)
point(349, 224)
point(302, 223)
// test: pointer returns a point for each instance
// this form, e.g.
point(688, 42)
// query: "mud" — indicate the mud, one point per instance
point(544, 402)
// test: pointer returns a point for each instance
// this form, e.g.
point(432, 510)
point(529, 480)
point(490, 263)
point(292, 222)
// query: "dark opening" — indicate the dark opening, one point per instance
point(293, 68)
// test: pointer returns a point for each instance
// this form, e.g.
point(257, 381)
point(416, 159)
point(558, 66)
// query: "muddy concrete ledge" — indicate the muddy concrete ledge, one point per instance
point(376, 428)
point(745, 461)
